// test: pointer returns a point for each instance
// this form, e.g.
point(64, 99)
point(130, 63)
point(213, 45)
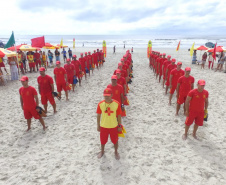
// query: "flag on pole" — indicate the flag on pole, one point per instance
point(74, 43)
point(38, 42)
point(192, 49)
point(214, 51)
point(178, 46)
point(11, 41)
point(61, 43)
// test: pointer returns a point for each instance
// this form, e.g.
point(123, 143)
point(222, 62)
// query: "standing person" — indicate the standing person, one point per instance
point(57, 55)
point(31, 61)
point(121, 81)
point(108, 121)
point(184, 85)
point(194, 57)
point(90, 62)
point(220, 61)
point(164, 67)
point(204, 57)
point(210, 59)
point(163, 59)
point(44, 60)
point(132, 50)
point(20, 63)
point(83, 64)
point(12, 61)
point(95, 58)
point(45, 88)
point(50, 55)
point(169, 68)
point(77, 66)
point(174, 76)
point(64, 55)
point(29, 101)
point(2, 65)
point(37, 59)
point(98, 57)
point(196, 107)
point(87, 67)
point(24, 61)
point(114, 50)
point(60, 77)
point(70, 70)
point(70, 53)
point(124, 46)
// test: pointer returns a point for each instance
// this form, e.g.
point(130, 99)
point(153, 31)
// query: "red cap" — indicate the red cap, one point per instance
point(81, 54)
point(68, 60)
point(120, 64)
point(42, 69)
point(201, 82)
point(173, 60)
point(114, 77)
point(122, 59)
point(125, 56)
point(187, 69)
point(107, 92)
point(161, 54)
point(57, 62)
point(24, 78)
point(118, 71)
point(179, 63)
point(94, 50)
point(85, 52)
point(164, 54)
point(168, 56)
point(74, 56)
point(89, 52)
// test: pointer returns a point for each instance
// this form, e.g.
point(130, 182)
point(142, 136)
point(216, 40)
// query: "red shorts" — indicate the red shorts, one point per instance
point(105, 132)
point(2, 64)
point(195, 116)
point(96, 63)
point(70, 79)
point(29, 113)
point(182, 98)
point(167, 82)
point(21, 66)
point(77, 74)
point(47, 97)
point(61, 86)
point(173, 88)
point(38, 62)
point(31, 64)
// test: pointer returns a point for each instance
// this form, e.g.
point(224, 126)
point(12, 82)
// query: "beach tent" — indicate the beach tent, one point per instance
point(218, 49)
point(23, 47)
point(6, 52)
point(49, 46)
point(58, 46)
point(201, 48)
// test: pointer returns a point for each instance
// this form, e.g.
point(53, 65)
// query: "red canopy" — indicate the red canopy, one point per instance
point(13, 47)
point(201, 48)
point(218, 49)
point(2, 54)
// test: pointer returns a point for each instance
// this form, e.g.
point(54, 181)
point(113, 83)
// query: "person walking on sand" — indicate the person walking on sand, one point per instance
point(60, 77)
point(164, 67)
point(46, 89)
point(29, 101)
point(77, 66)
point(114, 50)
point(70, 69)
point(204, 57)
point(57, 55)
point(195, 108)
point(108, 121)
point(168, 71)
point(184, 85)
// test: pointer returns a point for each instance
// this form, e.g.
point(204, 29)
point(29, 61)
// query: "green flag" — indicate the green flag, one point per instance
point(11, 41)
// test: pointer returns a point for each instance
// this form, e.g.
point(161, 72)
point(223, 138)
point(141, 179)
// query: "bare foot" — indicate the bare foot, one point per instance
point(55, 112)
point(169, 103)
point(28, 129)
point(195, 136)
point(100, 155)
point(44, 128)
point(67, 99)
point(117, 156)
point(176, 114)
point(184, 137)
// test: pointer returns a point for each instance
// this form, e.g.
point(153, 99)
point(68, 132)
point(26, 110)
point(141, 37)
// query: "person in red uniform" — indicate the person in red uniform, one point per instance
point(124, 73)
point(174, 76)
point(164, 67)
point(168, 71)
point(108, 121)
point(184, 85)
point(86, 58)
point(30, 58)
point(70, 70)
point(98, 57)
point(158, 64)
point(102, 57)
point(37, 59)
point(163, 59)
point(45, 88)
point(196, 107)
point(121, 81)
point(77, 65)
point(90, 64)
point(95, 58)
point(60, 77)
point(83, 64)
point(29, 101)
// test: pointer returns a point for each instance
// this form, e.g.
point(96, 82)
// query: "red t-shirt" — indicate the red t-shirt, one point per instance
point(82, 62)
point(45, 84)
point(176, 75)
point(28, 95)
point(121, 81)
point(165, 64)
point(170, 68)
point(37, 55)
point(76, 64)
point(98, 55)
point(197, 102)
point(185, 84)
point(69, 69)
point(94, 56)
point(117, 91)
point(60, 72)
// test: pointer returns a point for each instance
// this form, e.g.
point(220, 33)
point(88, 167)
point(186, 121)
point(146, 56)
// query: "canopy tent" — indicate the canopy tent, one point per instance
point(23, 47)
point(218, 49)
point(201, 48)
point(58, 46)
point(49, 46)
point(6, 52)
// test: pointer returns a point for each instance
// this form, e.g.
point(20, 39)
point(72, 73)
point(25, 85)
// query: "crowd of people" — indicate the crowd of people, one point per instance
point(112, 108)
point(174, 78)
point(65, 78)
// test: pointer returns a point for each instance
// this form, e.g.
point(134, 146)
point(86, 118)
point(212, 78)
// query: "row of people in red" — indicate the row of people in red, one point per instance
point(174, 78)
point(63, 76)
point(111, 109)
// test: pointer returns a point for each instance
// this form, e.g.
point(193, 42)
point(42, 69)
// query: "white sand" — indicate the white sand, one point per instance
point(151, 153)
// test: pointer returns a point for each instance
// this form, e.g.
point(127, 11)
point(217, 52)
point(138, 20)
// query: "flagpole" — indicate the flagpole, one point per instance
point(16, 56)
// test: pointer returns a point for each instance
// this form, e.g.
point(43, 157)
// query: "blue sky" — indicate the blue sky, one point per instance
point(86, 17)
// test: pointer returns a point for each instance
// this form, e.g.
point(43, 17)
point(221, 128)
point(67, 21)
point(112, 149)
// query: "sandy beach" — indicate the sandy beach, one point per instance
point(152, 152)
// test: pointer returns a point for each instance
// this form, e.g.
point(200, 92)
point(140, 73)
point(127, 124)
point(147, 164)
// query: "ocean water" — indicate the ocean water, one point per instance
point(136, 41)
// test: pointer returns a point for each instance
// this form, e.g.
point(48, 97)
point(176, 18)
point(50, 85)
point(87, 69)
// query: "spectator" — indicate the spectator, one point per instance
point(64, 55)
point(204, 57)
point(210, 59)
point(57, 55)
point(50, 55)
point(194, 57)
point(12, 61)
point(220, 61)
point(70, 53)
